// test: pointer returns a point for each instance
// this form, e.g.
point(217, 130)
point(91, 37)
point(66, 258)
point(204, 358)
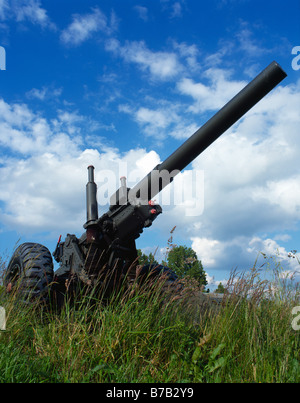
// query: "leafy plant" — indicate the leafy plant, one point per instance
point(184, 262)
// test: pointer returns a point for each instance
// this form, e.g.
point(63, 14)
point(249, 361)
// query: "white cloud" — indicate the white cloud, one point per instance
point(173, 8)
point(147, 162)
point(189, 53)
point(42, 193)
point(46, 192)
point(161, 122)
point(212, 96)
point(44, 93)
point(267, 246)
point(43, 189)
point(142, 12)
point(161, 65)
point(3, 8)
point(248, 44)
point(26, 10)
point(276, 252)
point(31, 10)
point(245, 252)
point(151, 117)
point(284, 193)
point(27, 133)
point(208, 250)
point(176, 10)
point(83, 26)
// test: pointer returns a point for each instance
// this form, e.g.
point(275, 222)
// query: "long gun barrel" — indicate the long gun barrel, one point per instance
point(131, 210)
point(210, 131)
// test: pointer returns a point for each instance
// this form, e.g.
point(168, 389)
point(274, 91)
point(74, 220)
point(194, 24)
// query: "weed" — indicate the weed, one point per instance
point(142, 336)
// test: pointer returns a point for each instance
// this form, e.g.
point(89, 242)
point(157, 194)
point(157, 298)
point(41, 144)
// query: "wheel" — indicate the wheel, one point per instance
point(30, 273)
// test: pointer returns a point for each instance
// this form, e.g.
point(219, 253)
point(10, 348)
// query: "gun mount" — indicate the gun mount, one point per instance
point(107, 248)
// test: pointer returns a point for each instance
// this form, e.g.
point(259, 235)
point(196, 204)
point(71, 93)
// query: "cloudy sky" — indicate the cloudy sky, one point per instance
point(120, 85)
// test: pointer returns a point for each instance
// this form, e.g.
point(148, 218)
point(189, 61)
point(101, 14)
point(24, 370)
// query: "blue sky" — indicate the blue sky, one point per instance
point(121, 84)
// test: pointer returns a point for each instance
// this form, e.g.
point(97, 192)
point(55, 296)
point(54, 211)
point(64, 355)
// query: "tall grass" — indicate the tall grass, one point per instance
point(140, 337)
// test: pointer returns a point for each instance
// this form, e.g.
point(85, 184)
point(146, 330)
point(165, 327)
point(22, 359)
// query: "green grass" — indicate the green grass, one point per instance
point(134, 339)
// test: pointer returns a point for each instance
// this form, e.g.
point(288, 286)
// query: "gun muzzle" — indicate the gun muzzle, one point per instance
point(91, 199)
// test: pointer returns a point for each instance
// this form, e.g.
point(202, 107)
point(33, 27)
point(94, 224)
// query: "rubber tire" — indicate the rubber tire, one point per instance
point(30, 273)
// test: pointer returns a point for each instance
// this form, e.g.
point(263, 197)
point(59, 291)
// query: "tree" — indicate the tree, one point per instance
point(220, 289)
point(144, 259)
point(184, 262)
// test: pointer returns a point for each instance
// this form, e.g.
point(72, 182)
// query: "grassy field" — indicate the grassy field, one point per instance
point(135, 339)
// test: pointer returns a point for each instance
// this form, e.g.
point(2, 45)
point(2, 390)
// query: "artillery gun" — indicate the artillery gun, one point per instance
point(106, 252)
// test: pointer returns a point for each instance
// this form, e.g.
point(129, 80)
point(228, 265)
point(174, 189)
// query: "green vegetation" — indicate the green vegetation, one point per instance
point(184, 262)
point(137, 337)
point(220, 289)
point(181, 260)
point(147, 259)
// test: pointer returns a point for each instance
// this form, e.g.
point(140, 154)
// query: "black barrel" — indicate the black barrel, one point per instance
point(258, 88)
point(91, 199)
